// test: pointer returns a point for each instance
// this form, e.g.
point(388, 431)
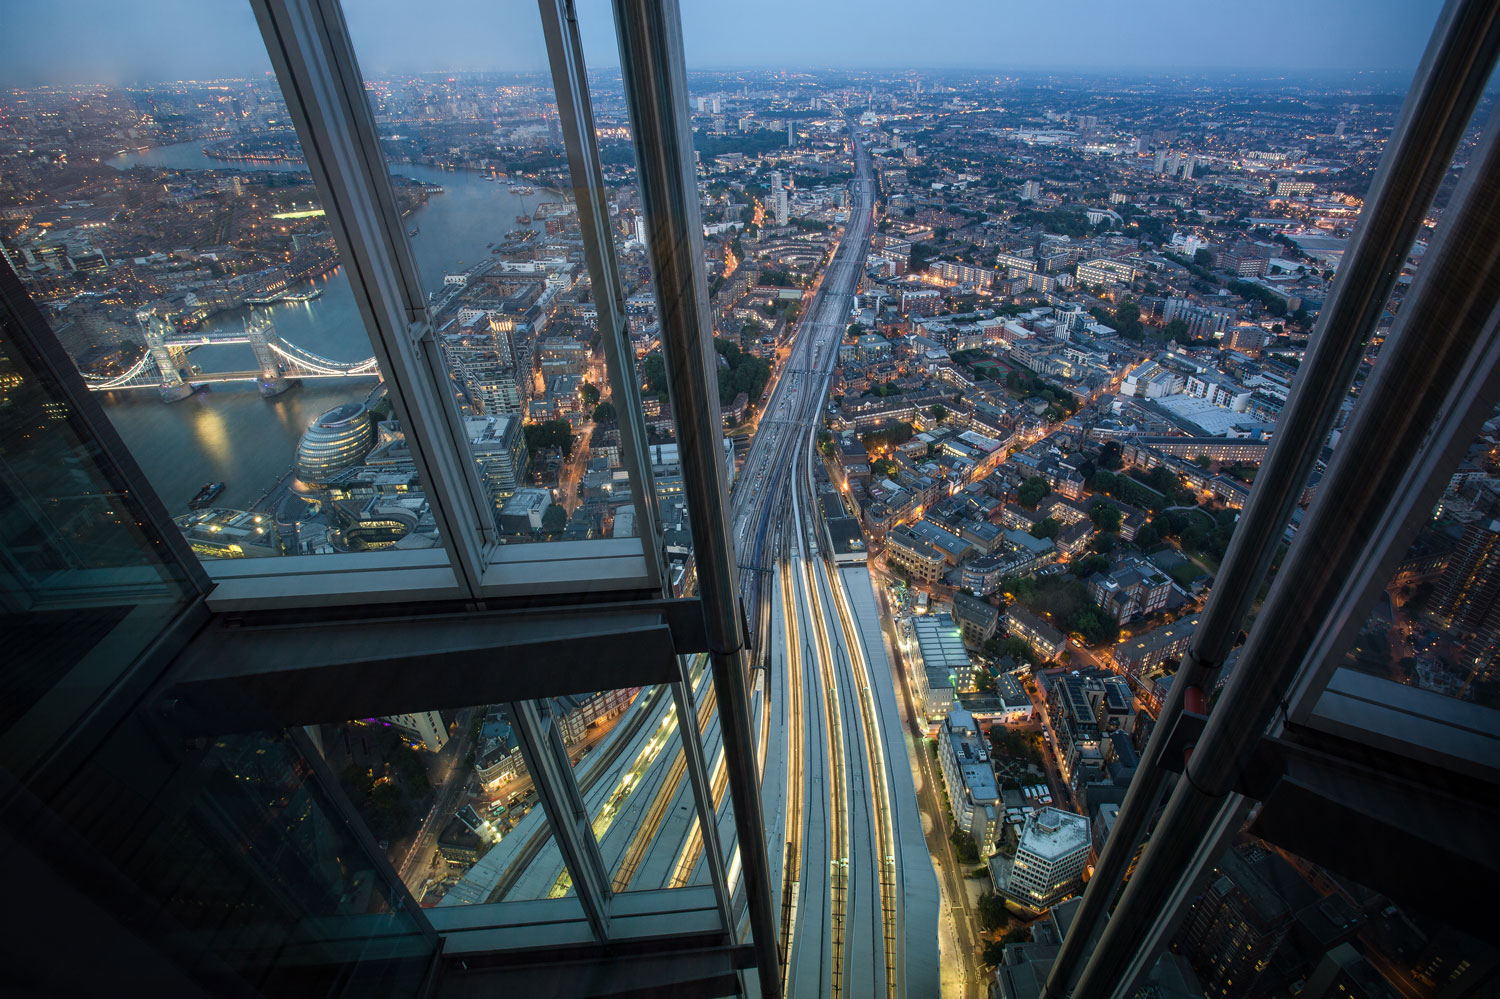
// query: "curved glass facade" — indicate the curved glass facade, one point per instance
point(337, 440)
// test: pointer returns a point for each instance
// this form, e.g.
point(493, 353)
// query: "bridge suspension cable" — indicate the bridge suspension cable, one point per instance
point(306, 359)
point(119, 381)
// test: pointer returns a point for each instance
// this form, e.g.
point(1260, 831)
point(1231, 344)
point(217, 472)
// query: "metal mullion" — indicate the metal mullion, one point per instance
point(313, 56)
point(703, 796)
point(576, 114)
point(547, 761)
point(1437, 111)
point(1424, 399)
point(345, 813)
point(652, 65)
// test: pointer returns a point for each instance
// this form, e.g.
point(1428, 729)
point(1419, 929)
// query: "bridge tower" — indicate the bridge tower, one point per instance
point(272, 378)
point(168, 359)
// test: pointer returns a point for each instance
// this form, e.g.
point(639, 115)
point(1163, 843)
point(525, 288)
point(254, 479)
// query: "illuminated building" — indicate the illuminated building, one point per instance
point(337, 440)
point(1048, 864)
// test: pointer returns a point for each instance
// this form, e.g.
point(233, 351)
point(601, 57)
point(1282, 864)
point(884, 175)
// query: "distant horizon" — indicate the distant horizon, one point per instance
point(89, 42)
point(1395, 80)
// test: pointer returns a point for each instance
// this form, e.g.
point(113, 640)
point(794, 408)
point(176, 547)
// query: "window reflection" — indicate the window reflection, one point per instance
point(499, 248)
point(173, 236)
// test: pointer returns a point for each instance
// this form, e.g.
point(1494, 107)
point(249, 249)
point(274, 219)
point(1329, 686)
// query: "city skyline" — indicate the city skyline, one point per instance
point(80, 42)
point(957, 456)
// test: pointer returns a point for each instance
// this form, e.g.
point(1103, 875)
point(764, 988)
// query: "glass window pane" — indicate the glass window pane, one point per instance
point(171, 232)
point(243, 865)
point(499, 248)
point(1269, 922)
point(447, 795)
point(1436, 624)
point(641, 801)
point(86, 584)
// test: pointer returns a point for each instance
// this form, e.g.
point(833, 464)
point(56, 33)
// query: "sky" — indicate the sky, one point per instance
point(123, 41)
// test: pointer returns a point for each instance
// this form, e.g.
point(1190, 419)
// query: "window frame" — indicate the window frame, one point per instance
point(313, 57)
point(314, 60)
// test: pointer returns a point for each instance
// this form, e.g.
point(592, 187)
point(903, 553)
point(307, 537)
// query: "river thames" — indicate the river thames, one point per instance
point(229, 433)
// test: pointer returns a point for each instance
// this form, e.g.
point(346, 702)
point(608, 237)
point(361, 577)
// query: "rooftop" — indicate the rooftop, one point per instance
point(1053, 834)
point(940, 642)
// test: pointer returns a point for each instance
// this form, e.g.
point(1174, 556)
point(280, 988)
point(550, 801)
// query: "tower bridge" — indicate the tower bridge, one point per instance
point(164, 366)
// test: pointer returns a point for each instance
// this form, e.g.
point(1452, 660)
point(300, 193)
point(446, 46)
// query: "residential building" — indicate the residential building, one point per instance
point(977, 619)
point(969, 778)
point(1470, 597)
point(1138, 654)
point(1045, 640)
point(1134, 589)
point(1103, 271)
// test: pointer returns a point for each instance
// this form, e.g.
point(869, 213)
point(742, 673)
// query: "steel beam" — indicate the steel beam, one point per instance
point(576, 112)
point(239, 677)
point(1444, 94)
point(547, 761)
point(1436, 381)
point(652, 64)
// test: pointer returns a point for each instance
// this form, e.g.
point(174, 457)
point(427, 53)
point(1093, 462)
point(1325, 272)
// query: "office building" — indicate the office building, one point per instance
point(499, 449)
point(1051, 853)
point(937, 663)
point(337, 440)
point(424, 728)
point(1470, 597)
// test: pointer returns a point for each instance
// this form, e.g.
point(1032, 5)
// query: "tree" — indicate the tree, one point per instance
point(1031, 492)
point(916, 260)
point(1087, 565)
point(1128, 321)
point(939, 412)
point(604, 413)
point(740, 372)
point(963, 846)
point(1203, 258)
point(1146, 536)
point(550, 434)
point(1095, 626)
point(1176, 329)
point(1045, 528)
point(590, 393)
point(1106, 516)
point(1110, 456)
point(992, 912)
point(554, 519)
point(654, 375)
